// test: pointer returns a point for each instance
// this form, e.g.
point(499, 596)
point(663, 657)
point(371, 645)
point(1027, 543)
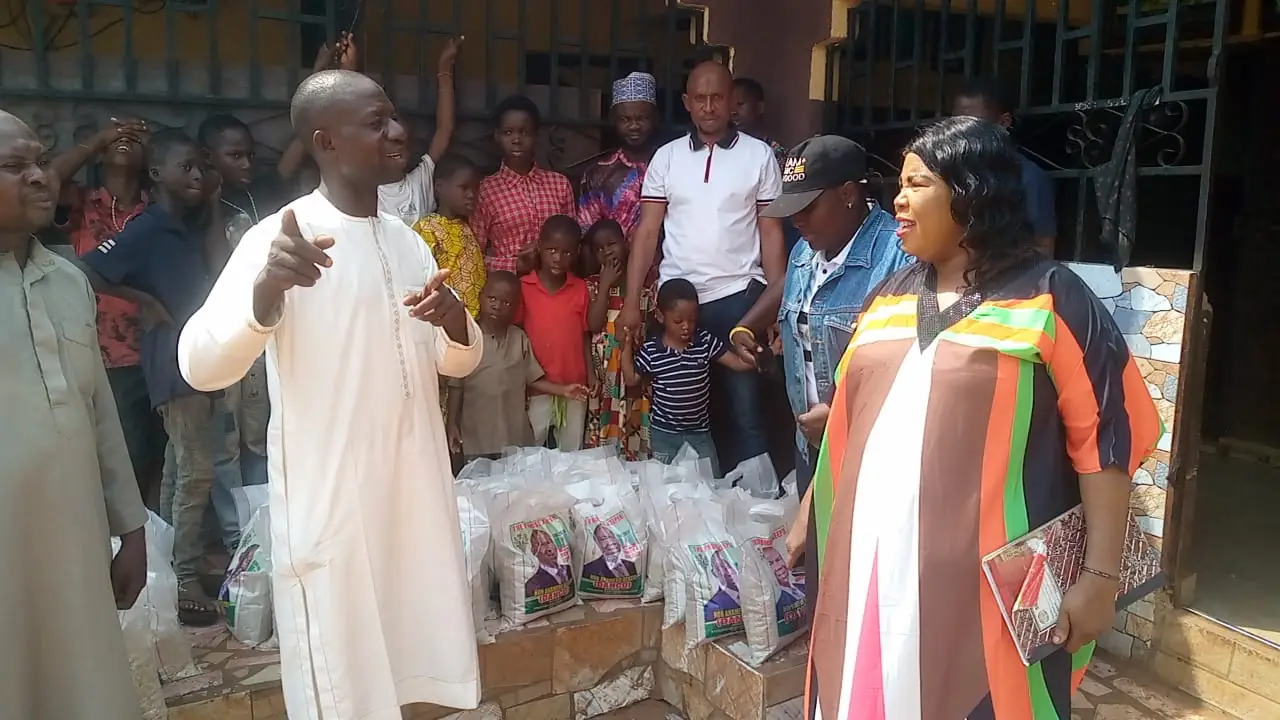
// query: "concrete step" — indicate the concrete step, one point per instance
point(1217, 664)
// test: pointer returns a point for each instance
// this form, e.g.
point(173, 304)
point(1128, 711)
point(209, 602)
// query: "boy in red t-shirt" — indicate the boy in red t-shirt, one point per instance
point(554, 316)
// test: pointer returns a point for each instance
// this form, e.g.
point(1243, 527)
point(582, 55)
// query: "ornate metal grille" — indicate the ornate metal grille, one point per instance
point(1075, 65)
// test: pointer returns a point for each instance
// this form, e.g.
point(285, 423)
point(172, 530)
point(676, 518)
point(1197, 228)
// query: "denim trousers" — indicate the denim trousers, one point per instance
point(666, 445)
point(142, 426)
point(188, 478)
point(737, 413)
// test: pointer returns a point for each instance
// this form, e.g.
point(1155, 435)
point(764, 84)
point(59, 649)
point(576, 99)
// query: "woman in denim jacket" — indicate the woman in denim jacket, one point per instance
point(850, 246)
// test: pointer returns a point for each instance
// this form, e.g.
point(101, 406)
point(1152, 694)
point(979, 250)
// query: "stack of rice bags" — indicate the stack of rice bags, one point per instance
point(560, 527)
point(554, 529)
point(725, 571)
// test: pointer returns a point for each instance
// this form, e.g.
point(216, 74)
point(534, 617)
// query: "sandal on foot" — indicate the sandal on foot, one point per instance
point(194, 606)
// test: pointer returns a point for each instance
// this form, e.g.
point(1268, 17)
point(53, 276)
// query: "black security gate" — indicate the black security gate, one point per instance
point(1074, 65)
point(248, 55)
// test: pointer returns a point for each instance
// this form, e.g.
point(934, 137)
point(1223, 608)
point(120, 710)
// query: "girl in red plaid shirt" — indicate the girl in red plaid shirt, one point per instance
point(515, 201)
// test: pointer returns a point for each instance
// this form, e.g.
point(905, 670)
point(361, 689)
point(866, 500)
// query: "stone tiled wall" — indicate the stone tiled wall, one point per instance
point(1149, 305)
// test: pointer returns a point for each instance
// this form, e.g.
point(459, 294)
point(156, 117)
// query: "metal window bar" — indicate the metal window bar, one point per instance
point(1075, 75)
point(279, 40)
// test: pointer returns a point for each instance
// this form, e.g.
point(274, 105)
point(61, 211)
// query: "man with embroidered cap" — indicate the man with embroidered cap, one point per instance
point(611, 191)
point(611, 188)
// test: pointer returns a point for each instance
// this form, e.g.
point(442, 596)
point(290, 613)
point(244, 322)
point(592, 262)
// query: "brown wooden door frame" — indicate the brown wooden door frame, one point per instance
point(1184, 475)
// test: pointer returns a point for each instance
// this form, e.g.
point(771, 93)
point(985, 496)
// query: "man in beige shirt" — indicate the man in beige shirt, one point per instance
point(68, 484)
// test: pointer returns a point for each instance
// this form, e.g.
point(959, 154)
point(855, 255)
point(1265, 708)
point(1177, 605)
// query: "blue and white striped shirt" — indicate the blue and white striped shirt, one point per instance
point(681, 382)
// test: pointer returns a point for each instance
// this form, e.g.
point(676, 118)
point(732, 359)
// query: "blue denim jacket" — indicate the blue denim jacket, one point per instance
point(876, 253)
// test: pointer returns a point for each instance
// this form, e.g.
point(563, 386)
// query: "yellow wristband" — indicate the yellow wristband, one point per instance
point(742, 328)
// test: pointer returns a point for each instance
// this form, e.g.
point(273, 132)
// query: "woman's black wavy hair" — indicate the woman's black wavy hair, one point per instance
point(980, 164)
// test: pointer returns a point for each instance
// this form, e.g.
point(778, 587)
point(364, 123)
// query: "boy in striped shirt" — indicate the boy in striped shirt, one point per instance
point(676, 359)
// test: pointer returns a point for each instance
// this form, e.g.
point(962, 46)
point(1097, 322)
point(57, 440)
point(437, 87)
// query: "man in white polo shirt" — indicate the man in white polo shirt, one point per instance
point(702, 193)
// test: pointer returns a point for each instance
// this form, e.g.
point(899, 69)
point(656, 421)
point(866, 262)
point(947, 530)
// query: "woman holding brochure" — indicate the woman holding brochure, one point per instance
point(985, 392)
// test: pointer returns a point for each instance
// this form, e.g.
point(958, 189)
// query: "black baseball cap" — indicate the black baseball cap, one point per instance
point(817, 164)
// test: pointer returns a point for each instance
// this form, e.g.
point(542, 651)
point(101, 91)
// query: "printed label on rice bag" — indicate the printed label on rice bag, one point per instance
point(790, 607)
point(716, 587)
point(615, 550)
point(548, 570)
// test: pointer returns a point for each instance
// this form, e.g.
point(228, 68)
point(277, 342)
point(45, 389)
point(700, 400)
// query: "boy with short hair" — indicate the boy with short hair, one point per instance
point(161, 254)
point(242, 409)
point(487, 408)
point(676, 360)
point(556, 315)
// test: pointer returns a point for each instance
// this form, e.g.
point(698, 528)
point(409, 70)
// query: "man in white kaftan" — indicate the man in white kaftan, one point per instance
point(372, 603)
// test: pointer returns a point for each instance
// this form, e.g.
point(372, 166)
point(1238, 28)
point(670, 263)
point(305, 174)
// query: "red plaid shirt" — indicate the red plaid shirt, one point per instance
point(91, 222)
point(511, 209)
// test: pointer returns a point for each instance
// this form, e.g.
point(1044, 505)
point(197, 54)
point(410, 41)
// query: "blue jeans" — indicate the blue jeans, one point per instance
point(143, 429)
point(737, 417)
point(666, 445)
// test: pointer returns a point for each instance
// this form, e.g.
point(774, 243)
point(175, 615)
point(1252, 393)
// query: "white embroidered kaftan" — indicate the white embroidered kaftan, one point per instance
point(372, 603)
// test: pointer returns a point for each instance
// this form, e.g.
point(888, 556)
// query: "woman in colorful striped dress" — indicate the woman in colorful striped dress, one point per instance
point(985, 392)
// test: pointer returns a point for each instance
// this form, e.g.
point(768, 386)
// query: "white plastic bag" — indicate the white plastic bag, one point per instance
point(611, 541)
point(688, 460)
point(144, 665)
point(774, 612)
point(154, 642)
point(708, 558)
point(659, 486)
point(169, 642)
point(246, 590)
point(755, 475)
point(473, 518)
point(533, 558)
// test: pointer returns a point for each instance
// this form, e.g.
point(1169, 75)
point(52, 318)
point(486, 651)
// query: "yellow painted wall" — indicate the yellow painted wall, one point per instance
point(190, 32)
point(641, 31)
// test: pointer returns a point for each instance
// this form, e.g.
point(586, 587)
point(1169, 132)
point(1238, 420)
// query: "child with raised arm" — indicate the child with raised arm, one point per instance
point(487, 408)
point(676, 359)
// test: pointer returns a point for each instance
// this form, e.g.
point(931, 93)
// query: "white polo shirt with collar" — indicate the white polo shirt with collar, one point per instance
point(713, 194)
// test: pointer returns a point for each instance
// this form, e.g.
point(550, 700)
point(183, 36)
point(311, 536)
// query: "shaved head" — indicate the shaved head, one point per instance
point(347, 123)
point(707, 97)
point(12, 126)
point(7, 118)
point(709, 70)
point(320, 93)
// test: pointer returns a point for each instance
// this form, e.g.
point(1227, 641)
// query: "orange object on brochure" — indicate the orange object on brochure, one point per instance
point(1030, 576)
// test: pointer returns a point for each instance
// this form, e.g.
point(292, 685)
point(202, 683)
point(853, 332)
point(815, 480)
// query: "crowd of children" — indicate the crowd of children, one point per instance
point(581, 382)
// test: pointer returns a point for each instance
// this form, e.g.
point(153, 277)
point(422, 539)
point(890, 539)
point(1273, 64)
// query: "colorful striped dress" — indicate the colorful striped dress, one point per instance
point(951, 433)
